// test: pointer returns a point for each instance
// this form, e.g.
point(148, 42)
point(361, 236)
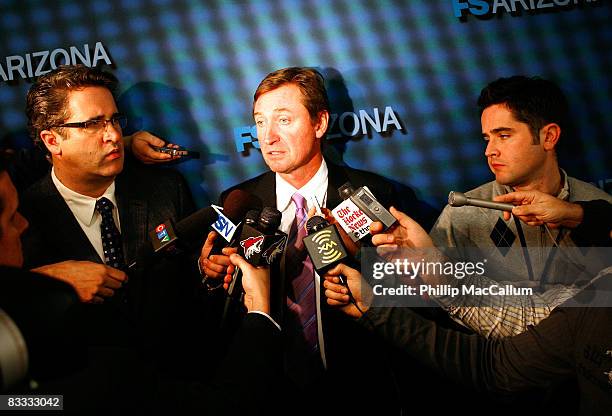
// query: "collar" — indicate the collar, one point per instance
point(315, 187)
point(82, 206)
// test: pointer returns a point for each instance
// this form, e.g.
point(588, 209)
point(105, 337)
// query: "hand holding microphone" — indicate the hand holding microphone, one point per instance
point(537, 208)
point(213, 261)
point(261, 244)
point(344, 289)
point(358, 210)
point(459, 199)
point(256, 284)
point(326, 250)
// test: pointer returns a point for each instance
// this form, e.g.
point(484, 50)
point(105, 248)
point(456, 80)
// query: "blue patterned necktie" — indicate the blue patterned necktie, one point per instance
point(111, 237)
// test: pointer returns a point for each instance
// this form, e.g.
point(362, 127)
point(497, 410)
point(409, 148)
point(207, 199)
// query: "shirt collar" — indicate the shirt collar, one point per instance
point(315, 187)
point(82, 206)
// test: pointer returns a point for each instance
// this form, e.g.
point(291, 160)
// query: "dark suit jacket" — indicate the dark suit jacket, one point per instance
point(345, 342)
point(145, 198)
point(151, 307)
point(246, 382)
point(44, 310)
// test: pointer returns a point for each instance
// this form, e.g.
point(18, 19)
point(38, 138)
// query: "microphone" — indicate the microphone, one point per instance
point(459, 199)
point(325, 248)
point(181, 151)
point(358, 210)
point(165, 237)
point(324, 244)
point(235, 207)
point(190, 230)
point(261, 244)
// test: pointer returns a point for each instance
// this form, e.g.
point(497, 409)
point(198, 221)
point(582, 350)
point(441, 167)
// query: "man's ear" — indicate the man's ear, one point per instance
point(321, 126)
point(51, 141)
point(549, 135)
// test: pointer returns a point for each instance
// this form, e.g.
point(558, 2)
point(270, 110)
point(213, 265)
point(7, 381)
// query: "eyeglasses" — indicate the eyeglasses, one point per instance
point(119, 121)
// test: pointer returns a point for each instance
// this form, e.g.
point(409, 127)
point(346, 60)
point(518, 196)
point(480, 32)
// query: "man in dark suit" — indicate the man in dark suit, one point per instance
point(89, 216)
point(291, 112)
point(42, 310)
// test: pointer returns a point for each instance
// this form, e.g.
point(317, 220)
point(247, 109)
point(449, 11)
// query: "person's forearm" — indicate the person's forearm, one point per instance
point(501, 316)
point(533, 359)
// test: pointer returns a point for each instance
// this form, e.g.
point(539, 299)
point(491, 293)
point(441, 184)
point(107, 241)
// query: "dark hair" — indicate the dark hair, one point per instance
point(534, 101)
point(308, 80)
point(46, 103)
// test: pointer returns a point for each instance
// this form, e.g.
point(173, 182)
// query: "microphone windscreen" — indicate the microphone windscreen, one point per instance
point(457, 199)
point(238, 203)
point(269, 220)
point(196, 225)
point(315, 223)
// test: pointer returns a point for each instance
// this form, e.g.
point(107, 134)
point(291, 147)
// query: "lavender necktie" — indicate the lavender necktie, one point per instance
point(299, 269)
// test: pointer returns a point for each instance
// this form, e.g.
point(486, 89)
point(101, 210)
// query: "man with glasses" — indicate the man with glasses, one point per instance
point(72, 113)
point(93, 214)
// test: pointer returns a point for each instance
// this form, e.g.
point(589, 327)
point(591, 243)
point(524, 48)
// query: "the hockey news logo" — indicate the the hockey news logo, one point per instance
point(326, 247)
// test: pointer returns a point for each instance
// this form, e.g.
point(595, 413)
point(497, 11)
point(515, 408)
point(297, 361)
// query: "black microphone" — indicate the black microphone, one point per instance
point(459, 199)
point(261, 244)
point(324, 244)
point(235, 207)
point(326, 249)
point(165, 236)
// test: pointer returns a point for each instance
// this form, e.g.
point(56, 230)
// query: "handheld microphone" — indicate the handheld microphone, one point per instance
point(235, 207)
point(261, 244)
point(358, 210)
point(459, 199)
point(324, 244)
point(165, 236)
point(181, 151)
point(326, 250)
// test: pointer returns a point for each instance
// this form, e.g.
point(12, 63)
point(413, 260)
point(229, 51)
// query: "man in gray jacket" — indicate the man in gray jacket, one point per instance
point(522, 121)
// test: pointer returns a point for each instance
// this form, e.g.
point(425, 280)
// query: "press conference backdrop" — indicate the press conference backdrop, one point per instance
point(403, 76)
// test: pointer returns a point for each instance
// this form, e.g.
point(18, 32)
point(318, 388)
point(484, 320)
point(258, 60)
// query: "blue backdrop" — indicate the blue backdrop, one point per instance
point(403, 76)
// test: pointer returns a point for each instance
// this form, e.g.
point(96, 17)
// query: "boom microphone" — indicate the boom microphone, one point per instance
point(459, 199)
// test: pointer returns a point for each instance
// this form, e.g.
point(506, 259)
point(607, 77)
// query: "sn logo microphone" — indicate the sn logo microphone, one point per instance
point(324, 244)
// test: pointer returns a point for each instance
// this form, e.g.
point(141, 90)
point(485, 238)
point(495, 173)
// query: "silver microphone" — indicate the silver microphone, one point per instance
point(458, 199)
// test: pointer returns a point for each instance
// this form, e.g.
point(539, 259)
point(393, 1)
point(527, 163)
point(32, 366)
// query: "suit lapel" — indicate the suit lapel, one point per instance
point(66, 232)
point(133, 216)
point(265, 189)
point(336, 177)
